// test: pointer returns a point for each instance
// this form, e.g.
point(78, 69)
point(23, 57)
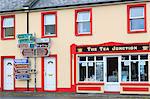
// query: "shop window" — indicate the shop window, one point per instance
point(135, 69)
point(49, 24)
point(99, 58)
point(90, 70)
point(137, 18)
point(8, 27)
point(83, 22)
point(82, 58)
point(125, 57)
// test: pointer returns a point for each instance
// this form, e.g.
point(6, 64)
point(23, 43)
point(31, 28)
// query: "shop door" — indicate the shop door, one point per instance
point(112, 74)
point(8, 74)
point(50, 73)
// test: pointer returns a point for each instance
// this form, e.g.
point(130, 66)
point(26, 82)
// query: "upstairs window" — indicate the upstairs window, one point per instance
point(136, 18)
point(83, 22)
point(8, 27)
point(49, 27)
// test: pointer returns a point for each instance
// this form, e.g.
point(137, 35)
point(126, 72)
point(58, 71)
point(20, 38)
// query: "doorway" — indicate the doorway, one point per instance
point(112, 74)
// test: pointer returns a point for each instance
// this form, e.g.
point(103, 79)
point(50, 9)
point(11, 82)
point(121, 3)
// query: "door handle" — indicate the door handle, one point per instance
point(9, 75)
point(50, 74)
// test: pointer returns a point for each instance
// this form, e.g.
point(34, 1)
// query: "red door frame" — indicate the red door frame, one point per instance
point(42, 73)
point(2, 72)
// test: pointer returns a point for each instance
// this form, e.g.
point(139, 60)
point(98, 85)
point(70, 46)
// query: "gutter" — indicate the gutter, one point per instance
point(29, 7)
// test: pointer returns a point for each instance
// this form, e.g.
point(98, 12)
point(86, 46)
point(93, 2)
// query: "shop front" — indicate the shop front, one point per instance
point(111, 68)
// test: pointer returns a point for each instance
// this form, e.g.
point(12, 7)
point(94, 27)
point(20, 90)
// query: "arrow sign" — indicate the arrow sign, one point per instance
point(28, 52)
point(42, 52)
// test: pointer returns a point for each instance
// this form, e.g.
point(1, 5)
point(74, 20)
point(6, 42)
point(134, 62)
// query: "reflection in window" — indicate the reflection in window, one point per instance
point(125, 71)
point(134, 71)
point(82, 72)
point(144, 70)
point(99, 71)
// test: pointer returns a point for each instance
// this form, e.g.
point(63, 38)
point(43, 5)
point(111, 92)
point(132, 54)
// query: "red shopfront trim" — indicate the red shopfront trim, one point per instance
point(94, 83)
point(135, 89)
point(89, 88)
point(42, 73)
point(76, 23)
point(128, 18)
point(2, 32)
point(2, 72)
point(42, 24)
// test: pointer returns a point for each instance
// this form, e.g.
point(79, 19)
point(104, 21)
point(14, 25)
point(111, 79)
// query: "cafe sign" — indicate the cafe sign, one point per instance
point(145, 47)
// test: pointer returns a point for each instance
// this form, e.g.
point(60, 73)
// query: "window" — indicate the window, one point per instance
point(83, 22)
point(8, 27)
point(49, 24)
point(91, 69)
point(135, 69)
point(136, 18)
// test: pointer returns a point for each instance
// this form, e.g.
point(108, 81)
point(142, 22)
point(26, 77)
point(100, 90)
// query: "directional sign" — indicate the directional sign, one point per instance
point(42, 52)
point(42, 40)
point(25, 41)
point(23, 46)
point(22, 76)
point(18, 66)
point(22, 36)
point(21, 61)
point(28, 52)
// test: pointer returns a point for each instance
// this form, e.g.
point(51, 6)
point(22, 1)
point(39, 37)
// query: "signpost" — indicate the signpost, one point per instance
point(30, 47)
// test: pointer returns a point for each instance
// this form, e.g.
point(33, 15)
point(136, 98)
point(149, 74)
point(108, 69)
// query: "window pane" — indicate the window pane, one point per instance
point(136, 12)
point(83, 16)
point(82, 58)
point(49, 29)
point(90, 58)
point(99, 58)
point(99, 71)
point(91, 71)
point(134, 71)
point(134, 57)
point(49, 19)
point(9, 32)
point(137, 24)
point(144, 70)
point(84, 27)
point(125, 57)
point(143, 57)
point(82, 72)
point(125, 71)
point(8, 22)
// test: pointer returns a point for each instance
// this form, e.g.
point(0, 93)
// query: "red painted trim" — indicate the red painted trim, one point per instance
point(42, 73)
point(42, 24)
point(128, 18)
point(135, 84)
point(111, 92)
point(135, 89)
point(94, 83)
point(30, 89)
point(75, 64)
point(2, 32)
point(76, 23)
point(2, 71)
point(89, 88)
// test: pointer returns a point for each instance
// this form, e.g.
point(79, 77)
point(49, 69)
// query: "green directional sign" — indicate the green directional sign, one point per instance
point(23, 36)
point(25, 41)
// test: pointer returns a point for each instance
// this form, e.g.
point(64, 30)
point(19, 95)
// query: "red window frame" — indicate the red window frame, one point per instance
point(76, 23)
point(128, 19)
point(42, 23)
point(2, 32)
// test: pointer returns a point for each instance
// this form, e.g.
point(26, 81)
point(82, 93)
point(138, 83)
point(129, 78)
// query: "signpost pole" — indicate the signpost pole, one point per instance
point(35, 63)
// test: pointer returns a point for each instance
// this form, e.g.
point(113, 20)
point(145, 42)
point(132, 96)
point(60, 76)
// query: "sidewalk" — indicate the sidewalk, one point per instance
point(73, 95)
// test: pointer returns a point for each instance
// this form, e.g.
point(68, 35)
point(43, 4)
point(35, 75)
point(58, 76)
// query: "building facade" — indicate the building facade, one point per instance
point(96, 46)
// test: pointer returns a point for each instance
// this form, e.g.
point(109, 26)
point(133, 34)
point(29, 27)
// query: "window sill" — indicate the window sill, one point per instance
point(7, 38)
point(88, 34)
point(137, 31)
point(135, 83)
point(49, 36)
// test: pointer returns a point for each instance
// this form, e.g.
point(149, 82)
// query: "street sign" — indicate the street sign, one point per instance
point(22, 46)
point(21, 61)
point(42, 52)
point(22, 76)
point(25, 41)
point(18, 66)
point(42, 40)
point(28, 52)
point(22, 36)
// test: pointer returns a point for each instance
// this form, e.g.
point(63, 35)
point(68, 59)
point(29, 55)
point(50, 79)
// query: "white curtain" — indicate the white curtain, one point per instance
point(8, 22)
point(49, 19)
